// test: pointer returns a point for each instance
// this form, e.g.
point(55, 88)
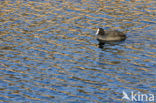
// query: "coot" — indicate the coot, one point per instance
point(109, 35)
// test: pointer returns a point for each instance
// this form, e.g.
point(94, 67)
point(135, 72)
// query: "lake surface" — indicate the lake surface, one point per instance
point(49, 52)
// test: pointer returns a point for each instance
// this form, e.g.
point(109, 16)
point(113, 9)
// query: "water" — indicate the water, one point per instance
point(49, 52)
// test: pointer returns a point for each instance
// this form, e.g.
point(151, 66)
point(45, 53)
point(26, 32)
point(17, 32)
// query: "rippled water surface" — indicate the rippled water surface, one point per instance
point(49, 52)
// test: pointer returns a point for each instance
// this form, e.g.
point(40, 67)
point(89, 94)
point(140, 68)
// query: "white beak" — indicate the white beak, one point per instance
point(97, 32)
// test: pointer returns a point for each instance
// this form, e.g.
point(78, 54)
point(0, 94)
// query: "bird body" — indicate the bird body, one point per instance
point(109, 35)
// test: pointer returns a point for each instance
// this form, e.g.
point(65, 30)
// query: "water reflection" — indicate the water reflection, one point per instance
point(49, 50)
point(103, 45)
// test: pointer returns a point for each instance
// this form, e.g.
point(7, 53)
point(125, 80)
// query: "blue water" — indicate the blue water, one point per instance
point(49, 52)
